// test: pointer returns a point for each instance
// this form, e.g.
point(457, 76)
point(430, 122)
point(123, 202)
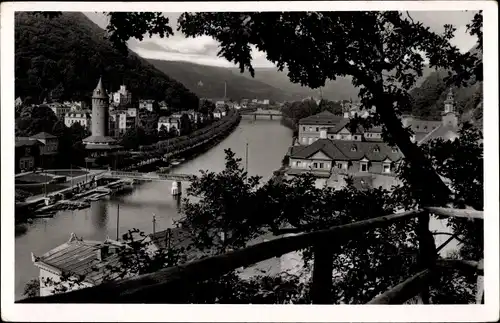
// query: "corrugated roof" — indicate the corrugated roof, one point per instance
point(80, 257)
point(322, 118)
point(20, 142)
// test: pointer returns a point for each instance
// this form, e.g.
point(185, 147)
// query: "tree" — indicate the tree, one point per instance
point(186, 126)
point(333, 107)
point(163, 133)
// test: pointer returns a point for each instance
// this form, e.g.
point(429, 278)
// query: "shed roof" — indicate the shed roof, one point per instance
point(80, 257)
point(44, 135)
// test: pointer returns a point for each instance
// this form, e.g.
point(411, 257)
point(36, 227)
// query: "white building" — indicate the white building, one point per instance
point(59, 109)
point(122, 120)
point(219, 113)
point(77, 257)
point(170, 123)
point(147, 105)
point(122, 96)
point(83, 118)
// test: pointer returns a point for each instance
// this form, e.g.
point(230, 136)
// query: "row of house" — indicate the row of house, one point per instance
point(32, 152)
point(330, 149)
point(173, 122)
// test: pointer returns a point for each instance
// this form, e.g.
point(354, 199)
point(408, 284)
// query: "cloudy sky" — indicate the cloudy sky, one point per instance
point(203, 50)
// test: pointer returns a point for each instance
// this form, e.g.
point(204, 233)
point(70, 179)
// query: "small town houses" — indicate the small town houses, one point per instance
point(35, 151)
point(169, 123)
point(328, 148)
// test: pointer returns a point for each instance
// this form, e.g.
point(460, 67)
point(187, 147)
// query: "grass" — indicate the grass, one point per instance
point(73, 173)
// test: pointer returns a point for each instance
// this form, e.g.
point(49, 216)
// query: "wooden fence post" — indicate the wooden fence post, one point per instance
point(427, 250)
point(321, 289)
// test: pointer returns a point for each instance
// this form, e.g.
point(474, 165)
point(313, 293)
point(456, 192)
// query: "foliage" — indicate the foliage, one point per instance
point(32, 288)
point(68, 61)
point(35, 119)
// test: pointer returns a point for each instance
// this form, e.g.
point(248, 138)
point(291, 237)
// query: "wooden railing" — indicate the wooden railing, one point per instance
point(160, 286)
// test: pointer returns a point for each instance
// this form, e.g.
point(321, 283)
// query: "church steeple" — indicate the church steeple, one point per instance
point(449, 103)
point(450, 117)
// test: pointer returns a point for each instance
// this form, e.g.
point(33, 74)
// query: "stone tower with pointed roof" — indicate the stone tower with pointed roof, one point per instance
point(100, 111)
point(449, 115)
point(100, 144)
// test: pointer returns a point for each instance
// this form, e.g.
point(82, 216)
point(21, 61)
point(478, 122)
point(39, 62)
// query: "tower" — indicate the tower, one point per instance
point(100, 147)
point(449, 115)
point(100, 111)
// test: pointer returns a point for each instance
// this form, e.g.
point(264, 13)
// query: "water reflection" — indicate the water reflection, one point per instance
point(99, 215)
point(137, 206)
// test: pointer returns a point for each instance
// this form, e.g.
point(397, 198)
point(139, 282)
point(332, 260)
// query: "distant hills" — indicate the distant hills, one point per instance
point(64, 57)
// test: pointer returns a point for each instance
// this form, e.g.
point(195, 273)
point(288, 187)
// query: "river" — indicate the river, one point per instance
point(267, 141)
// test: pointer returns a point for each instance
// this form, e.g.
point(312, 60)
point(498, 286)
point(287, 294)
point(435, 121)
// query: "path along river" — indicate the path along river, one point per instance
point(267, 140)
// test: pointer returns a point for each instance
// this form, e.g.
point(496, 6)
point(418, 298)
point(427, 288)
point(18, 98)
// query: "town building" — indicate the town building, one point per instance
point(163, 106)
point(100, 146)
point(26, 154)
point(331, 150)
point(81, 117)
point(309, 127)
point(219, 113)
point(426, 130)
point(59, 109)
point(122, 120)
point(170, 123)
point(121, 97)
point(149, 105)
point(78, 258)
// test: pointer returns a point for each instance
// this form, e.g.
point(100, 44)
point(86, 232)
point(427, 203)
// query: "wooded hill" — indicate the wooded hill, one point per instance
point(63, 58)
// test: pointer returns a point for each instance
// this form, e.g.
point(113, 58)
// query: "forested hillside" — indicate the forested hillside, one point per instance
point(208, 81)
point(430, 95)
point(63, 58)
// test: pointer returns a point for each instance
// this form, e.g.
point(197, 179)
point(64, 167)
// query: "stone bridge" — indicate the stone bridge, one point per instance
point(270, 113)
point(149, 176)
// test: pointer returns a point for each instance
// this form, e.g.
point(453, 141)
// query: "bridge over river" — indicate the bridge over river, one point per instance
point(266, 113)
point(152, 176)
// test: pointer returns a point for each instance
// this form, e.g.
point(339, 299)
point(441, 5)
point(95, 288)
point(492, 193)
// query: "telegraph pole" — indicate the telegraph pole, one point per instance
point(117, 221)
point(246, 158)
point(154, 224)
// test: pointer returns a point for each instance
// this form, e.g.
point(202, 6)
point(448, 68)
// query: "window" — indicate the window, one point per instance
point(376, 150)
point(339, 166)
point(311, 129)
point(315, 165)
point(299, 163)
point(394, 150)
point(303, 128)
point(321, 165)
point(317, 129)
point(364, 167)
point(28, 150)
point(353, 148)
point(387, 168)
point(355, 137)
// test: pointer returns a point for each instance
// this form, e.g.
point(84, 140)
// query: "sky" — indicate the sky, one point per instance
point(203, 50)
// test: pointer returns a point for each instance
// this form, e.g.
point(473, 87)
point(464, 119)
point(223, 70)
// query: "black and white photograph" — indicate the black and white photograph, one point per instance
point(250, 154)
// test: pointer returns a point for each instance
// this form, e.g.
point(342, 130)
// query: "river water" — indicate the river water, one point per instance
point(267, 141)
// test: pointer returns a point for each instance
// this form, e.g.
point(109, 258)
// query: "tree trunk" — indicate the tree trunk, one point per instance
point(431, 190)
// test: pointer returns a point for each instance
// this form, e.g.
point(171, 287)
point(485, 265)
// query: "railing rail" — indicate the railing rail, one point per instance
point(154, 287)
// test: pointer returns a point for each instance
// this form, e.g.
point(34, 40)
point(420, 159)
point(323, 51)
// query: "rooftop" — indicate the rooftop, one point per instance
point(322, 118)
point(348, 150)
point(44, 135)
point(81, 257)
point(24, 141)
